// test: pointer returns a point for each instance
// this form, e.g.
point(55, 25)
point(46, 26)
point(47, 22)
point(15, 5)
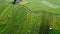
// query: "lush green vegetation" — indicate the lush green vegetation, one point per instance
point(31, 17)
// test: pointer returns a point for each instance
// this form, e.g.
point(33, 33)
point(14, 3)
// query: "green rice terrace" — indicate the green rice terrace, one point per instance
point(30, 17)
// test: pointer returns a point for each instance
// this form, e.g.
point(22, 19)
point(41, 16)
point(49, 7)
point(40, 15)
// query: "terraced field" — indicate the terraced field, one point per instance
point(29, 17)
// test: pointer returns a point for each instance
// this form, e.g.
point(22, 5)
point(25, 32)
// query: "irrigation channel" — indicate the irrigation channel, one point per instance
point(25, 21)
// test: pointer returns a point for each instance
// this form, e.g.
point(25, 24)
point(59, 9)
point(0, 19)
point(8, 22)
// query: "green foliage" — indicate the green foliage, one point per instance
point(17, 19)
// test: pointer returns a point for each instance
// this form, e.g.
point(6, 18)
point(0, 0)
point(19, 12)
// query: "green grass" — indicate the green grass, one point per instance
point(35, 5)
point(17, 19)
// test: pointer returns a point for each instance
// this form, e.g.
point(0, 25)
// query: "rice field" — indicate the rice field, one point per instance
point(30, 17)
